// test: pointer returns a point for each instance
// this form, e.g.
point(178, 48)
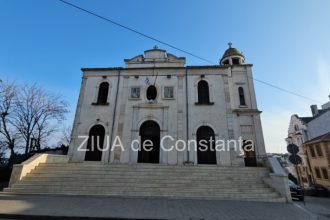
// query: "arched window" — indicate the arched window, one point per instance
point(296, 127)
point(241, 96)
point(151, 92)
point(103, 93)
point(203, 92)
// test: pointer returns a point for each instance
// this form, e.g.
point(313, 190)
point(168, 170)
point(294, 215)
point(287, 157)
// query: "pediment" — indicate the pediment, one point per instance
point(155, 58)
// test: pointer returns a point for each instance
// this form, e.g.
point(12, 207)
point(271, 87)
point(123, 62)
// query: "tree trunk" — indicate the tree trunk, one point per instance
point(27, 145)
point(11, 158)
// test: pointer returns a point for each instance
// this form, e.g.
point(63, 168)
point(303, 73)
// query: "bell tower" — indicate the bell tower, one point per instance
point(232, 56)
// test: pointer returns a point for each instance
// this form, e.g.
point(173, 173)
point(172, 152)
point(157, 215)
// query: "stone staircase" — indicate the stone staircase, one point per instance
point(147, 180)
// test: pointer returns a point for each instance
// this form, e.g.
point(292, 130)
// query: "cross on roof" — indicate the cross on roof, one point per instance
point(229, 44)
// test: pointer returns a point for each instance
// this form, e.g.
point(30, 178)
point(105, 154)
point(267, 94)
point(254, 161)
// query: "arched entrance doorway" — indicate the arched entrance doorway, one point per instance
point(206, 153)
point(250, 158)
point(149, 130)
point(95, 143)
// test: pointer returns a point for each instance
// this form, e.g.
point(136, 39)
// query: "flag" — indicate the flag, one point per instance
point(147, 82)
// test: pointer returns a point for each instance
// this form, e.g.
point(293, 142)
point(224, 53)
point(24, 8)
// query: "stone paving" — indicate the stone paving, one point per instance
point(317, 205)
point(153, 208)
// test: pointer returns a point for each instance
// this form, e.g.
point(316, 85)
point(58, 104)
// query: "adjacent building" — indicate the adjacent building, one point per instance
point(318, 154)
point(306, 132)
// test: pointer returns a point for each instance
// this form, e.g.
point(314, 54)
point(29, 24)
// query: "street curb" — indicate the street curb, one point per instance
point(42, 217)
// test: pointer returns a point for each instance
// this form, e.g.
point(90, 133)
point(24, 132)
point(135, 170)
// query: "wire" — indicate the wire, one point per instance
point(178, 49)
point(284, 90)
point(137, 32)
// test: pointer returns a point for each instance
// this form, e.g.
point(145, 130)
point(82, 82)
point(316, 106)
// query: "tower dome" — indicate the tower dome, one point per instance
point(232, 56)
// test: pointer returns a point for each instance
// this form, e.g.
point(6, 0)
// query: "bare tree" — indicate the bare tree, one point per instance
point(66, 136)
point(37, 113)
point(8, 133)
point(28, 114)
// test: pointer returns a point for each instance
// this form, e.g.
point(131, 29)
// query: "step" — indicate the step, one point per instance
point(150, 186)
point(88, 180)
point(147, 180)
point(155, 173)
point(147, 192)
point(177, 169)
point(109, 180)
point(146, 165)
point(146, 177)
point(208, 197)
point(180, 171)
point(146, 168)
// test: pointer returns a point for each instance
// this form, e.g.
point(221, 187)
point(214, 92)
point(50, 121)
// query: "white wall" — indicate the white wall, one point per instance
point(319, 126)
point(226, 117)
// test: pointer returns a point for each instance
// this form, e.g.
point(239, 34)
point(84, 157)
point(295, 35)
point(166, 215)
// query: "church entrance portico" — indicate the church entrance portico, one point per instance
point(149, 133)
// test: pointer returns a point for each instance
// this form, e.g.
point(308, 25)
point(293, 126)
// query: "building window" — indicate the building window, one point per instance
point(203, 92)
point(103, 93)
point(241, 96)
point(235, 61)
point(311, 149)
point(317, 172)
point(296, 127)
point(319, 150)
point(135, 92)
point(325, 173)
point(168, 92)
point(151, 92)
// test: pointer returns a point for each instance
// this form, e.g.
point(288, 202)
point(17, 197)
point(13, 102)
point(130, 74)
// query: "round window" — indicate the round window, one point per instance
point(151, 92)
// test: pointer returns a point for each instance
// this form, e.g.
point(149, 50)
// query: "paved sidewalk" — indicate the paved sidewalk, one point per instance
point(317, 205)
point(129, 208)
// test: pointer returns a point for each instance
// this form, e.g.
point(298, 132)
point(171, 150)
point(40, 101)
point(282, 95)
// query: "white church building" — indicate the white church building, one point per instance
point(155, 96)
point(156, 99)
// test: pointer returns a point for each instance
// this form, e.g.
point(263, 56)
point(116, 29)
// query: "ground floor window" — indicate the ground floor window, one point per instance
point(325, 173)
point(317, 172)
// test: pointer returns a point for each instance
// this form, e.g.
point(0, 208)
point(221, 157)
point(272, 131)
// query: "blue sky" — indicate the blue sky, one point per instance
point(287, 41)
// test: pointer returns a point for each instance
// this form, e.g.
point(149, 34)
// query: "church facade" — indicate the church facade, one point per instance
point(157, 98)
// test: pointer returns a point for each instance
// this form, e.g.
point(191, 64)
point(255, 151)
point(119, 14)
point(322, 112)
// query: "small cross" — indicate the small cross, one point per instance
point(155, 47)
point(229, 44)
